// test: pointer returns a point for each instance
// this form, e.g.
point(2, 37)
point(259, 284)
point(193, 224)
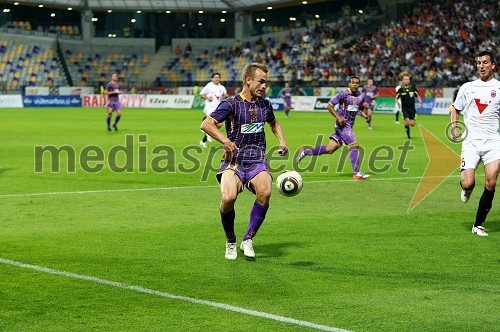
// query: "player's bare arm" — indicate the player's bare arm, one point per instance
point(278, 132)
point(211, 127)
point(454, 116)
point(204, 96)
point(333, 112)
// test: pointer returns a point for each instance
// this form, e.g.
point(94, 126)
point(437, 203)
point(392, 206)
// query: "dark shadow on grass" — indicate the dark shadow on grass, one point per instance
point(3, 170)
point(275, 249)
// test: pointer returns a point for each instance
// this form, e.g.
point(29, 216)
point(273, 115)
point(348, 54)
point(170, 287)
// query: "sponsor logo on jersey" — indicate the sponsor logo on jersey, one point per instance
point(252, 128)
point(493, 93)
point(352, 108)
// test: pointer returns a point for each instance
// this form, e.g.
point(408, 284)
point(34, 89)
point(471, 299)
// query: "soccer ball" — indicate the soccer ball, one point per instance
point(289, 183)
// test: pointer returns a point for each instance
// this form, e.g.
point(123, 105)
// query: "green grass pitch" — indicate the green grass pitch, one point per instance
point(342, 254)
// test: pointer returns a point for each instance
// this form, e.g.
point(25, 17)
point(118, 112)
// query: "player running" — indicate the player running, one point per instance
point(350, 102)
point(479, 102)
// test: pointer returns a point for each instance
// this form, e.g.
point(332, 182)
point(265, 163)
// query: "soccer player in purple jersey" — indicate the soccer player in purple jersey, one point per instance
point(286, 94)
point(350, 102)
point(112, 91)
point(244, 162)
point(371, 93)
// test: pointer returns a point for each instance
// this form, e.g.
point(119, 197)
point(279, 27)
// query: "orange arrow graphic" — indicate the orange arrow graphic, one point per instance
point(443, 161)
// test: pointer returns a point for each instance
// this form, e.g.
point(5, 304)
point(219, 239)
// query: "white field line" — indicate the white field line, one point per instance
point(281, 319)
point(83, 192)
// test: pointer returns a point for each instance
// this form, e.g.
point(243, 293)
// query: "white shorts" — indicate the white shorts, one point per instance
point(475, 150)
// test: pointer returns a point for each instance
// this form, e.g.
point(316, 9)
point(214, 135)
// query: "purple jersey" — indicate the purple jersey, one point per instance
point(113, 87)
point(369, 91)
point(245, 126)
point(349, 105)
point(286, 94)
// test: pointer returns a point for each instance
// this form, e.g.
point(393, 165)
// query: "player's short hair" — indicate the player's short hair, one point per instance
point(249, 70)
point(354, 77)
point(488, 53)
point(215, 74)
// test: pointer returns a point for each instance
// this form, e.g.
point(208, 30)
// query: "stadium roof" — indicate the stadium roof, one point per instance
point(156, 5)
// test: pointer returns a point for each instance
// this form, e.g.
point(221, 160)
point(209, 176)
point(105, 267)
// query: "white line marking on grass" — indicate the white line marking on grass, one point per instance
point(105, 191)
point(281, 319)
point(83, 192)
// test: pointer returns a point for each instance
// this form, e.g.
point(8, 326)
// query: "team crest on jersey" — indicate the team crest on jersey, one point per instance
point(481, 104)
point(252, 128)
point(493, 93)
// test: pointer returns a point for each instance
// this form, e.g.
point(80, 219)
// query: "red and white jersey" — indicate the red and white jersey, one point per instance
point(479, 102)
point(217, 92)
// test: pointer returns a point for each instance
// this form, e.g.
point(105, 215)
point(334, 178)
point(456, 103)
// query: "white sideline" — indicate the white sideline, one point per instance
point(190, 187)
point(139, 289)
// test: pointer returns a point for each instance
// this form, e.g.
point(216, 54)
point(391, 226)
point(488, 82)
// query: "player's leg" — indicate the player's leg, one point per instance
point(469, 160)
point(261, 185)
point(349, 138)
point(491, 170)
point(109, 113)
point(396, 112)
point(319, 150)
point(230, 186)
point(467, 183)
point(287, 109)
point(406, 116)
point(203, 141)
point(118, 109)
point(369, 120)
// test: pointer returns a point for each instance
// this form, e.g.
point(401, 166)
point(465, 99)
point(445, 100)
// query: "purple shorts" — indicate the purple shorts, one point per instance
point(344, 135)
point(115, 106)
point(245, 171)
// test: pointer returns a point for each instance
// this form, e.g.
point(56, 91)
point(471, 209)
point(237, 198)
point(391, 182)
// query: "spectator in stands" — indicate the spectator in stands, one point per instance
point(188, 50)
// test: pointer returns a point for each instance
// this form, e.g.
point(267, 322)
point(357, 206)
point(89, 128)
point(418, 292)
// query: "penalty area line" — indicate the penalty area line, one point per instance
point(281, 319)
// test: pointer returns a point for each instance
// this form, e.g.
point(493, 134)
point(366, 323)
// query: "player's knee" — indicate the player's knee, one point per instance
point(263, 199)
point(467, 184)
point(490, 183)
point(330, 148)
point(228, 198)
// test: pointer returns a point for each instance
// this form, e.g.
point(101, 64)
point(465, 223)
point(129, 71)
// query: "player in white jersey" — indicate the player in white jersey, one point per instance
point(479, 102)
point(213, 93)
point(397, 106)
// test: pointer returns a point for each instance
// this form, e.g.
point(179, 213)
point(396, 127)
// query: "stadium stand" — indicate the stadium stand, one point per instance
point(427, 43)
point(29, 65)
point(25, 27)
point(96, 68)
point(284, 52)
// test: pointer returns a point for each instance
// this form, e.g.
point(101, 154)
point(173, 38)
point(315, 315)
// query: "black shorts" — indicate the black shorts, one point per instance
point(409, 113)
